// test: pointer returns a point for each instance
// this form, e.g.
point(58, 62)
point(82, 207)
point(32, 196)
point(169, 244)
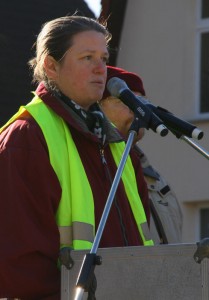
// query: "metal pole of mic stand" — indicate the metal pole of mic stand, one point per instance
point(189, 141)
point(113, 191)
point(195, 146)
point(90, 258)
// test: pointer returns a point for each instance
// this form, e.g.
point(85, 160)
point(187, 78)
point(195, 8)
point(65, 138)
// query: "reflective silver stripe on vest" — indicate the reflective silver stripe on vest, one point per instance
point(79, 231)
point(146, 231)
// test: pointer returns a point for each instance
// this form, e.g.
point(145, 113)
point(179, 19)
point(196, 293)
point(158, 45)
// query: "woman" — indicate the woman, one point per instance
point(58, 157)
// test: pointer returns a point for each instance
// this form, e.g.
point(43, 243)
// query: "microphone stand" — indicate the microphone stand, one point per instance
point(86, 273)
point(195, 146)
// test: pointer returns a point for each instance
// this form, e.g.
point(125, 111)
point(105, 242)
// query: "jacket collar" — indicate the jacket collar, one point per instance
point(71, 118)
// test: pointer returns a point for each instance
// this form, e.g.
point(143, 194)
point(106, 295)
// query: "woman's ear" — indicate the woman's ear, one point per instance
point(51, 67)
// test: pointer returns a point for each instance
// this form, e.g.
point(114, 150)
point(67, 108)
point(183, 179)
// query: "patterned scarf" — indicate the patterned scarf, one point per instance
point(93, 118)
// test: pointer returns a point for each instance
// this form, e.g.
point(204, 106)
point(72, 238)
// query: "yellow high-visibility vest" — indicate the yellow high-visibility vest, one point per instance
point(75, 215)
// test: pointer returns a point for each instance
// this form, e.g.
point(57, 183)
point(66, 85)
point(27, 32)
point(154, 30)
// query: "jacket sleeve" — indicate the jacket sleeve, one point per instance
point(30, 194)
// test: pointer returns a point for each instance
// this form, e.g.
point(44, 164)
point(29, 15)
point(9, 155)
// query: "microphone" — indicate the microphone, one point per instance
point(118, 88)
point(178, 126)
point(175, 125)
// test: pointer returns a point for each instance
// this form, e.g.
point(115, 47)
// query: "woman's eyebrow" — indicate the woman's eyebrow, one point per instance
point(93, 51)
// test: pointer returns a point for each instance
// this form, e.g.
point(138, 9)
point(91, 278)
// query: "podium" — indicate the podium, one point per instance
point(162, 272)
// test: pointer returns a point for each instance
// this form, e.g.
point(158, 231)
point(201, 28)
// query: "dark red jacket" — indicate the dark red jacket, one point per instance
point(30, 195)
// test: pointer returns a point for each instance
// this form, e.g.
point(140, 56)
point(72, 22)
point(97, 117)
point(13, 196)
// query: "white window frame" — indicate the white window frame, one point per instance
point(201, 27)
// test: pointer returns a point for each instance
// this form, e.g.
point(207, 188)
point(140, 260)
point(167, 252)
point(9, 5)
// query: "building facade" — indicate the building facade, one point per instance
point(167, 43)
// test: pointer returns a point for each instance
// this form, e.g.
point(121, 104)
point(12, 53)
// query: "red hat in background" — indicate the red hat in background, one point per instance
point(132, 80)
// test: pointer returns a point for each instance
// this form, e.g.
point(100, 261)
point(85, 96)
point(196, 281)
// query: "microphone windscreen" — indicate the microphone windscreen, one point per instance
point(115, 86)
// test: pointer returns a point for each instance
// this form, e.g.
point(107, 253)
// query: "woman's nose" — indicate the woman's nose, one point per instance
point(100, 66)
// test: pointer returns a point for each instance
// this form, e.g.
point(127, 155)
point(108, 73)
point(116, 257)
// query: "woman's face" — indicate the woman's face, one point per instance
point(120, 115)
point(81, 74)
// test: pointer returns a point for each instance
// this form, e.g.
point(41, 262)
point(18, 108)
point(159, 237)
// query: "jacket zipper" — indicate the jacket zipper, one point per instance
point(115, 201)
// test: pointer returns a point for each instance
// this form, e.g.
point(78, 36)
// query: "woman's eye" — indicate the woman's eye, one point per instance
point(105, 59)
point(87, 57)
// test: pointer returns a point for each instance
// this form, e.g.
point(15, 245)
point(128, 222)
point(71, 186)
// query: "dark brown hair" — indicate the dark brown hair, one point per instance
point(56, 37)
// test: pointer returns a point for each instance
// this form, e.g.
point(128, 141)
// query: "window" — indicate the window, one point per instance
point(203, 64)
point(205, 9)
point(204, 223)
point(204, 78)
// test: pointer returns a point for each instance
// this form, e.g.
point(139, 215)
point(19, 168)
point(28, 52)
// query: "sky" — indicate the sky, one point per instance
point(95, 6)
